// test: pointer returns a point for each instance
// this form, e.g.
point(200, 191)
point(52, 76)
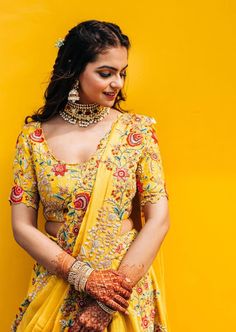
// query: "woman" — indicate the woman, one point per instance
point(98, 173)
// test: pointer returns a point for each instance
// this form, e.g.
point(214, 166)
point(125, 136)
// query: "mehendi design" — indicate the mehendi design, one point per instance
point(109, 287)
point(92, 318)
point(62, 264)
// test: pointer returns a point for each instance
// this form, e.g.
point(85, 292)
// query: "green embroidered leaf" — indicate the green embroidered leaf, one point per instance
point(71, 213)
point(116, 210)
point(58, 196)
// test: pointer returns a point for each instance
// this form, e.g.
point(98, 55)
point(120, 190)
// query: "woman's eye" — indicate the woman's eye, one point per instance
point(105, 74)
point(109, 74)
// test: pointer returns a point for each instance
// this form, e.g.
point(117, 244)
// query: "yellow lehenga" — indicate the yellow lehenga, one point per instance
point(90, 200)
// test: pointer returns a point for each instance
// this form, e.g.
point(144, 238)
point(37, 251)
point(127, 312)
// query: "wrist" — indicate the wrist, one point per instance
point(78, 275)
point(63, 263)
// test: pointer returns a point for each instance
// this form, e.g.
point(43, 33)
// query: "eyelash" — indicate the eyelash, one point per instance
point(107, 75)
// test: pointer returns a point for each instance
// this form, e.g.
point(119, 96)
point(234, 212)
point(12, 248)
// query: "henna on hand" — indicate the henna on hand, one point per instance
point(62, 264)
point(109, 287)
point(91, 318)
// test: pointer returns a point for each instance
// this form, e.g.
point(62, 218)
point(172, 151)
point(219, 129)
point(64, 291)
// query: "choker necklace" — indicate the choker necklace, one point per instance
point(83, 114)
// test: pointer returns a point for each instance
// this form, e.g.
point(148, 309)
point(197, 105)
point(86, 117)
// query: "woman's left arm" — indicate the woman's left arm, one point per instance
point(145, 247)
point(153, 198)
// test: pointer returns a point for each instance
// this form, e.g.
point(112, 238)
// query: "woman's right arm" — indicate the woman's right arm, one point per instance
point(37, 244)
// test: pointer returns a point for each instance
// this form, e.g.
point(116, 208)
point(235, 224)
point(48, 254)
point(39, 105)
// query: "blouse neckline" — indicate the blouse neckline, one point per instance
point(99, 146)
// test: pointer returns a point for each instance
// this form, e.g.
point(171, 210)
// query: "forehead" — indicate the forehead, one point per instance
point(115, 56)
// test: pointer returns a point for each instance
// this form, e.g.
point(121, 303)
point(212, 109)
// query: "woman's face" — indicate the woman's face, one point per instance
point(106, 74)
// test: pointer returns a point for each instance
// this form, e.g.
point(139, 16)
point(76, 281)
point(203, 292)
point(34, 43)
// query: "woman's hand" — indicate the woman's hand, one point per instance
point(91, 318)
point(110, 287)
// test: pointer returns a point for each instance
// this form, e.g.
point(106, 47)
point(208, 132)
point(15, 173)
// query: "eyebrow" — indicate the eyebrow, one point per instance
point(109, 67)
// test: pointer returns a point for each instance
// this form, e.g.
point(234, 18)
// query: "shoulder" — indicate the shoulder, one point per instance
point(142, 120)
point(27, 130)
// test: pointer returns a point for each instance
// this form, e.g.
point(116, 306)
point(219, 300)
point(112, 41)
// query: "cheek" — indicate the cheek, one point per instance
point(95, 84)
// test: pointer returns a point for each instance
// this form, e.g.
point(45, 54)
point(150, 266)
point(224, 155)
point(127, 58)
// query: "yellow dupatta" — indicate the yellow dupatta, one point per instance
point(99, 226)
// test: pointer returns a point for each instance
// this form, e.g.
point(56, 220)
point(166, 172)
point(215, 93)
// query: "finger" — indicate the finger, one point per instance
point(127, 285)
point(123, 292)
point(83, 329)
point(115, 306)
point(120, 300)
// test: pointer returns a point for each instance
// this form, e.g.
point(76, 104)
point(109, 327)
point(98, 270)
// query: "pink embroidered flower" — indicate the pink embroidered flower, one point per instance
point(16, 194)
point(121, 173)
point(36, 136)
point(145, 322)
point(76, 230)
point(139, 290)
point(59, 169)
point(119, 248)
point(134, 139)
point(146, 285)
point(139, 185)
point(153, 313)
point(154, 156)
point(81, 201)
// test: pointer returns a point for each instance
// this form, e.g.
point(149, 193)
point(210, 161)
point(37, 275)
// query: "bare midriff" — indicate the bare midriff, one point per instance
point(52, 227)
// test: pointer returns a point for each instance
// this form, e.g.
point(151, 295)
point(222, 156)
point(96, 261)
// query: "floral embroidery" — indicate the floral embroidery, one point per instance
point(65, 191)
point(59, 169)
point(134, 139)
point(36, 136)
point(81, 201)
point(16, 194)
point(121, 173)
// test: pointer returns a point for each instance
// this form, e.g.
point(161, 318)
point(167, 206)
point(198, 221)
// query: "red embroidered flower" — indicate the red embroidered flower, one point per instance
point(139, 185)
point(145, 322)
point(153, 313)
point(154, 136)
point(146, 285)
point(121, 173)
point(134, 139)
point(76, 230)
point(36, 136)
point(59, 169)
point(16, 194)
point(81, 201)
point(139, 290)
point(119, 248)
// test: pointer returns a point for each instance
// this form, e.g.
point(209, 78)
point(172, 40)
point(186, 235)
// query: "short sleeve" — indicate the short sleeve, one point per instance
point(24, 188)
point(150, 176)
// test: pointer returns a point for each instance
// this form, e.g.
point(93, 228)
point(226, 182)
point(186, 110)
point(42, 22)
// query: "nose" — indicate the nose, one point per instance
point(117, 83)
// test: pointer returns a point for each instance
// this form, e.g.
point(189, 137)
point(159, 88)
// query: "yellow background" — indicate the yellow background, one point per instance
point(182, 71)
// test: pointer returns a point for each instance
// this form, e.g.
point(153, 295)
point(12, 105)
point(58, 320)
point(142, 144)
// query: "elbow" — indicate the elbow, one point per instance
point(16, 234)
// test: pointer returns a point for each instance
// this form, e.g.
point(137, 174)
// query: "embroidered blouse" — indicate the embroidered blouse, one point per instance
point(64, 189)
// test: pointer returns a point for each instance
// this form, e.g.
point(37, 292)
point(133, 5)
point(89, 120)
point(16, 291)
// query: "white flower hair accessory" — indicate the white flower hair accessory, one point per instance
point(59, 43)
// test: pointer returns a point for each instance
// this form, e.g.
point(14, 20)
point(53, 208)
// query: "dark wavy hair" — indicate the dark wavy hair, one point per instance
point(82, 45)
